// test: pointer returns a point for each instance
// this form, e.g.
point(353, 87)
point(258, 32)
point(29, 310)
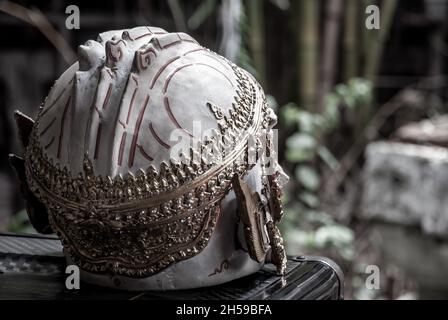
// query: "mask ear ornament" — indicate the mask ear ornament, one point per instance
point(24, 126)
point(278, 254)
point(37, 212)
point(275, 203)
point(249, 209)
point(253, 215)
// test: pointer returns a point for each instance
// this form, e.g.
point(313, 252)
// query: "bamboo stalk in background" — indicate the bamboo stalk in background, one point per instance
point(377, 40)
point(330, 51)
point(374, 42)
point(368, 36)
point(308, 54)
point(178, 15)
point(257, 37)
point(351, 53)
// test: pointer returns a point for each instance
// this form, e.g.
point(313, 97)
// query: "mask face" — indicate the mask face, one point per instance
point(153, 160)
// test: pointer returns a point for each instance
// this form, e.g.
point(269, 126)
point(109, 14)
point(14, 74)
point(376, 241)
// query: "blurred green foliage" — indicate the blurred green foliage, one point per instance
point(307, 228)
point(19, 223)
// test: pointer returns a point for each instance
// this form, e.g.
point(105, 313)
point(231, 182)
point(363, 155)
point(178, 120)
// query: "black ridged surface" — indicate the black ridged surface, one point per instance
point(33, 268)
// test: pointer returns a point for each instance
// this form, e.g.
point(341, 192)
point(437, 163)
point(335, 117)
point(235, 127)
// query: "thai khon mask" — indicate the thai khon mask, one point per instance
point(153, 159)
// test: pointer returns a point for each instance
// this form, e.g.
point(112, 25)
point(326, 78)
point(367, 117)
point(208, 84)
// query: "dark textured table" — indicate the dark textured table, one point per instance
point(32, 267)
